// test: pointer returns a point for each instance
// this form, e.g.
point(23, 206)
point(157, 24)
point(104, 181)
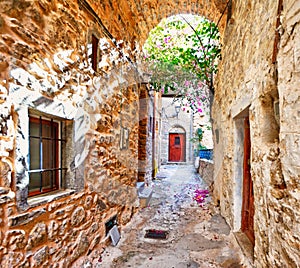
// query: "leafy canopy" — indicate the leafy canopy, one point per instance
point(182, 53)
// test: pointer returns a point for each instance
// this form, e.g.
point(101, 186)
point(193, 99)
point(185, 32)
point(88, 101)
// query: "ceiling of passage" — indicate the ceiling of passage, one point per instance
point(131, 20)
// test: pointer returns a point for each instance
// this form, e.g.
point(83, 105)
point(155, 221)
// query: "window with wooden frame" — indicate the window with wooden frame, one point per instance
point(45, 155)
point(95, 42)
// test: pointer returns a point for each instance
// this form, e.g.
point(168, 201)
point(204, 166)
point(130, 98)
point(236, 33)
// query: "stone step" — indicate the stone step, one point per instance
point(145, 196)
point(140, 186)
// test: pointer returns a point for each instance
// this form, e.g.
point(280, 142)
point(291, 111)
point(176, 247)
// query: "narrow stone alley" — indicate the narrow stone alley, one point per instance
point(86, 116)
point(197, 235)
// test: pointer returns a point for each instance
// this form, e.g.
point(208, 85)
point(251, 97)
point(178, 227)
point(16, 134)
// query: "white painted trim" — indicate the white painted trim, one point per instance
point(238, 173)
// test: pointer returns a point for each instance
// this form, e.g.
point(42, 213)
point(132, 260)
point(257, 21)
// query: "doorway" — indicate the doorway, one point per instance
point(247, 224)
point(177, 147)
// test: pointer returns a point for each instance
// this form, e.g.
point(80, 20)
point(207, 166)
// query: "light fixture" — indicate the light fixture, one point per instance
point(177, 110)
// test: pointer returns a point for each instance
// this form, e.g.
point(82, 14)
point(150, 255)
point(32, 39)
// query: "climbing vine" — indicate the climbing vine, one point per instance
point(182, 53)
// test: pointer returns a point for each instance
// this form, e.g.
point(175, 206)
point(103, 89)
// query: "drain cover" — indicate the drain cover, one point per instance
point(156, 234)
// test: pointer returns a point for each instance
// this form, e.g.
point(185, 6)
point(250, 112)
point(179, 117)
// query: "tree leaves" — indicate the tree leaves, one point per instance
point(182, 53)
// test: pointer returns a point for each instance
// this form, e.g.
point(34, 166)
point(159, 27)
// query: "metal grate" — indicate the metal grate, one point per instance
point(156, 234)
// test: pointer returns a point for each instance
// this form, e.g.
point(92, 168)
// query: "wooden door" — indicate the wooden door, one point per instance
point(248, 198)
point(176, 147)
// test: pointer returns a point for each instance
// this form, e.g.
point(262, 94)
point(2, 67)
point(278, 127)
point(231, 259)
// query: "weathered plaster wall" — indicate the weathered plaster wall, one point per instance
point(251, 77)
point(45, 65)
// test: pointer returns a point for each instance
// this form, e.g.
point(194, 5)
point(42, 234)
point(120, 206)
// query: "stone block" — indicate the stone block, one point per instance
point(40, 257)
point(25, 218)
point(78, 216)
point(145, 197)
point(37, 236)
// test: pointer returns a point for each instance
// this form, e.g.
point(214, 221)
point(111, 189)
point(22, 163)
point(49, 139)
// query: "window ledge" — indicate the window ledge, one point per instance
point(48, 197)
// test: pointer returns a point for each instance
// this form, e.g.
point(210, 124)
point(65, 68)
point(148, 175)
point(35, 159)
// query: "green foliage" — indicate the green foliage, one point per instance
point(182, 52)
point(198, 138)
point(199, 133)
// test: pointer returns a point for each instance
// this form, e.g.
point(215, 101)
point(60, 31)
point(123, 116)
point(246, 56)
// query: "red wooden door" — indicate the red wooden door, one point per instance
point(176, 147)
point(248, 198)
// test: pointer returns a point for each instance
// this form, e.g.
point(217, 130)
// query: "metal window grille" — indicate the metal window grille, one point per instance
point(45, 155)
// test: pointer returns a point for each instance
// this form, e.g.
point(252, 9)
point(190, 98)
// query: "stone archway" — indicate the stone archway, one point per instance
point(132, 20)
point(177, 144)
point(44, 53)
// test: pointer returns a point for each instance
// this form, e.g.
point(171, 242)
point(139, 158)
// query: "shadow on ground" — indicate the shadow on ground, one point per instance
point(198, 236)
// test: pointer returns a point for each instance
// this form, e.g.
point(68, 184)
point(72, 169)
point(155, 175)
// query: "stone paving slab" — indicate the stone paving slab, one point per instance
point(198, 234)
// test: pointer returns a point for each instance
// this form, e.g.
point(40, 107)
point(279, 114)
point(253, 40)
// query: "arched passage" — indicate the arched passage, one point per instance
point(132, 20)
point(45, 67)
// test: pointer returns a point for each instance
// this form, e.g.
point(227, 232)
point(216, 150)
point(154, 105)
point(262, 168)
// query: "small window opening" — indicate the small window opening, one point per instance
point(110, 224)
point(45, 155)
point(95, 42)
point(177, 140)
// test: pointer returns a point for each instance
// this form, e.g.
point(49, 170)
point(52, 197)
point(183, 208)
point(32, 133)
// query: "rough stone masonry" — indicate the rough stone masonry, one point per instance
point(259, 78)
point(46, 69)
point(48, 51)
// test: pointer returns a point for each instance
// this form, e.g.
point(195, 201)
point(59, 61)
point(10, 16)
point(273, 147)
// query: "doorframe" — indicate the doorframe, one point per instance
point(238, 168)
point(238, 174)
point(184, 146)
point(247, 181)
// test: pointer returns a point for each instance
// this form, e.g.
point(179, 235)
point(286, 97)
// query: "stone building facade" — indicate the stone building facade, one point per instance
point(175, 123)
point(184, 122)
point(69, 102)
point(73, 66)
point(256, 128)
point(149, 134)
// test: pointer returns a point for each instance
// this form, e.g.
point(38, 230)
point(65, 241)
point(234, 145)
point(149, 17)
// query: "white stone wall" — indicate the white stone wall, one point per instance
point(184, 122)
point(203, 120)
point(251, 78)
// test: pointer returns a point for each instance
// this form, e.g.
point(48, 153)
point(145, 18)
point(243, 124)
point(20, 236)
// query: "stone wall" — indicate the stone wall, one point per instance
point(253, 75)
point(57, 233)
point(45, 63)
point(45, 67)
point(171, 123)
point(133, 19)
point(206, 171)
point(146, 125)
point(203, 121)
point(285, 171)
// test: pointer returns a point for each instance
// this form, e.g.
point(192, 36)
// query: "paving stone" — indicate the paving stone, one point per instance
point(188, 245)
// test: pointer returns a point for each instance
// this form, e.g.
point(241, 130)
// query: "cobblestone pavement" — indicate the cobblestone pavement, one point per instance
point(197, 235)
